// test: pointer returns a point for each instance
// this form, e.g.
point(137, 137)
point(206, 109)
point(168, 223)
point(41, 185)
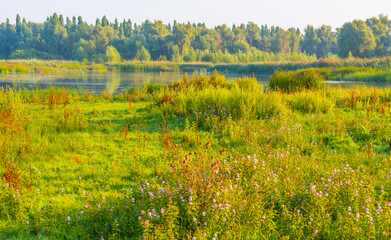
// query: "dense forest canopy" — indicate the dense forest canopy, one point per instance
point(74, 39)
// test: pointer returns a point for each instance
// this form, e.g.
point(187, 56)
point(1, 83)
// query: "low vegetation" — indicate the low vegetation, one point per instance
point(293, 81)
point(205, 158)
point(350, 69)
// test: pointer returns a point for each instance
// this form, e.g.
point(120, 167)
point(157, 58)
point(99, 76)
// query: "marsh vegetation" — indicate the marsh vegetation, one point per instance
point(203, 158)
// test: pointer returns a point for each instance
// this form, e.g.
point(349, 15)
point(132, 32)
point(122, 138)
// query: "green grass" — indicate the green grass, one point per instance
point(359, 74)
point(205, 158)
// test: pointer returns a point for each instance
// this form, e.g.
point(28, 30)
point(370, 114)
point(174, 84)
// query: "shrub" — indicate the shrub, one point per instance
point(268, 105)
point(203, 81)
point(311, 102)
point(247, 83)
point(293, 81)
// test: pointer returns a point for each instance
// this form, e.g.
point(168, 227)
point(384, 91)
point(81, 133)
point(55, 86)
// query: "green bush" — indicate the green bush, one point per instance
point(247, 83)
point(294, 81)
point(203, 81)
point(311, 102)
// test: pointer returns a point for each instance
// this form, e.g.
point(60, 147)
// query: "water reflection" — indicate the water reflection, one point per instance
point(114, 82)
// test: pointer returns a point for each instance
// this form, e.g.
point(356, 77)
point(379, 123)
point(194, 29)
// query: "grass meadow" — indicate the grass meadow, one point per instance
point(205, 158)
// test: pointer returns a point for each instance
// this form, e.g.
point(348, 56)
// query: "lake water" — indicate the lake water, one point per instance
point(114, 82)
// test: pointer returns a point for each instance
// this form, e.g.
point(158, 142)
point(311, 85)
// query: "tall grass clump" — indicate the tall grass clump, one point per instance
point(294, 81)
point(247, 83)
point(212, 101)
point(311, 102)
point(11, 109)
point(202, 81)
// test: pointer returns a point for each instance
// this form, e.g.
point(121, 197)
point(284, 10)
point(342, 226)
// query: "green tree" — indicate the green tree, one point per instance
point(327, 41)
point(80, 54)
point(381, 32)
point(105, 22)
point(144, 54)
point(356, 37)
point(102, 37)
point(253, 34)
point(277, 40)
point(265, 43)
point(83, 49)
point(310, 40)
point(54, 35)
point(176, 54)
point(112, 54)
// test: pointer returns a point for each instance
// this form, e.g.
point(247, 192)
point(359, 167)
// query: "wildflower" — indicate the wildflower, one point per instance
point(195, 220)
point(203, 214)
point(27, 222)
point(68, 219)
point(162, 210)
point(81, 212)
point(349, 209)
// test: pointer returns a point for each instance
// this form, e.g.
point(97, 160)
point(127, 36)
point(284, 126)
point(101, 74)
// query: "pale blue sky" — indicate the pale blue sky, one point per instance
point(284, 13)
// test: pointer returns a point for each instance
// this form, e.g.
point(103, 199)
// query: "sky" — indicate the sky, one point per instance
point(283, 13)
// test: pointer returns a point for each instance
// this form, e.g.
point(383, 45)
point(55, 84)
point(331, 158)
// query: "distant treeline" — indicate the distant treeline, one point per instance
point(105, 41)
